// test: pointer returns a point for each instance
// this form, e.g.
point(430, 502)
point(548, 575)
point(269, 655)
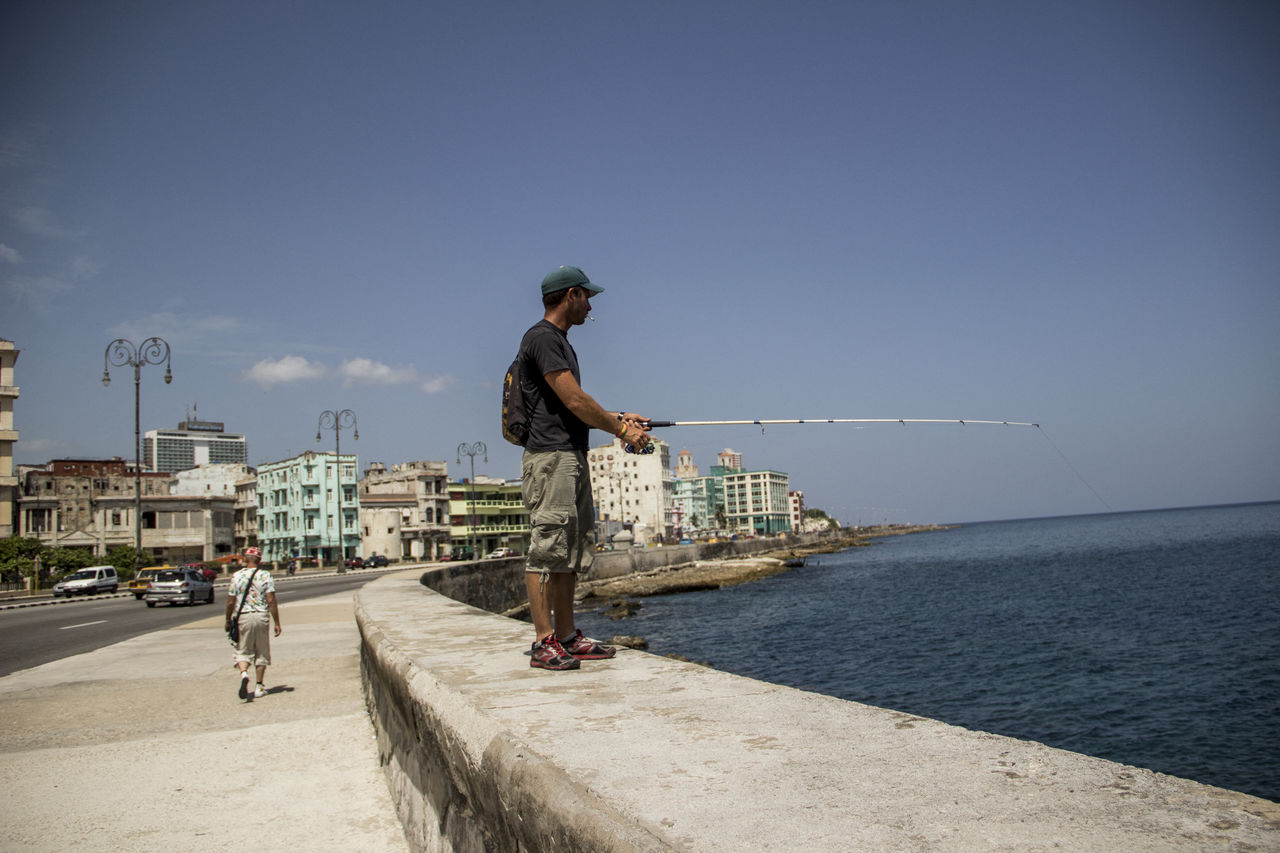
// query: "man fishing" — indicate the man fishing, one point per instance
point(555, 481)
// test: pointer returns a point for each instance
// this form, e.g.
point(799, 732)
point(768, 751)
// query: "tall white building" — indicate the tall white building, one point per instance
point(192, 444)
point(757, 501)
point(633, 488)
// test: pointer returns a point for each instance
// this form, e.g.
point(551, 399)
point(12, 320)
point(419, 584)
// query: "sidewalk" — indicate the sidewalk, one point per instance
point(144, 745)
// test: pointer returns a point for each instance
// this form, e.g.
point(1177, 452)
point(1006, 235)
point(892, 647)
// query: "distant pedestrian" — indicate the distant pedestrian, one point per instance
point(251, 604)
point(555, 481)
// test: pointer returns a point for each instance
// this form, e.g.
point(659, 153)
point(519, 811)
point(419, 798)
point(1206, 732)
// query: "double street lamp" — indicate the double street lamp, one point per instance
point(119, 353)
point(338, 421)
point(472, 450)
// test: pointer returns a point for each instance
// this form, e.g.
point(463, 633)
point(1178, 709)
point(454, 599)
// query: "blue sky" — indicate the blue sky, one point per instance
point(1066, 213)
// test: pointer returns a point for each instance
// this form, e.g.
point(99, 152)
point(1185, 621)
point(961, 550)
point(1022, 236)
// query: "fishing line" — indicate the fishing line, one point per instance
point(1079, 476)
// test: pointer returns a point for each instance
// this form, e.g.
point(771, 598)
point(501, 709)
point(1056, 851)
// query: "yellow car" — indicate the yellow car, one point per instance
point(141, 582)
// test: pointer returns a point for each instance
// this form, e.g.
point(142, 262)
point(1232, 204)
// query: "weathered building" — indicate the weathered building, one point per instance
point(91, 504)
point(405, 510)
point(8, 436)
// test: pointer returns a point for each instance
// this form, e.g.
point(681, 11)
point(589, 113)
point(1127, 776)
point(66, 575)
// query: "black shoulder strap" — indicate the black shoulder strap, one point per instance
point(245, 596)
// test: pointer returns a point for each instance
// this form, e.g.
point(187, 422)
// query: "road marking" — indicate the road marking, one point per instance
point(82, 625)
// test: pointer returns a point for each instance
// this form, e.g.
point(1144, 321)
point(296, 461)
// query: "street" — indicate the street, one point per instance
point(31, 636)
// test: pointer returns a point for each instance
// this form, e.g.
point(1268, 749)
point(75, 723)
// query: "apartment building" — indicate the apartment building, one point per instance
point(757, 501)
point(309, 505)
point(404, 510)
point(8, 436)
point(246, 512)
point(795, 500)
point(192, 444)
point(488, 512)
point(91, 504)
point(633, 489)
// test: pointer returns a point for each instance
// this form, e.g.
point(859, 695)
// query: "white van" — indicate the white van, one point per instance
point(88, 581)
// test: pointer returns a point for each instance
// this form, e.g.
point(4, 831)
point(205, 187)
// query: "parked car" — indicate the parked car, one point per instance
point(142, 580)
point(88, 581)
point(355, 563)
point(603, 546)
point(459, 555)
point(501, 553)
point(206, 571)
point(179, 585)
point(376, 561)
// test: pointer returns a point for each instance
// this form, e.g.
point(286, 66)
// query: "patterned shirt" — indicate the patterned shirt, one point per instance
point(262, 584)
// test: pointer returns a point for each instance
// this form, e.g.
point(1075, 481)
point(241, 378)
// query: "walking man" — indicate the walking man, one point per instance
point(251, 602)
point(556, 483)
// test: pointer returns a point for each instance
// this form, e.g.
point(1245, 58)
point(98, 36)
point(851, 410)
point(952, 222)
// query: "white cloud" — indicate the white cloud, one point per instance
point(436, 384)
point(368, 372)
point(83, 269)
point(9, 254)
point(189, 329)
point(35, 291)
point(40, 222)
point(291, 368)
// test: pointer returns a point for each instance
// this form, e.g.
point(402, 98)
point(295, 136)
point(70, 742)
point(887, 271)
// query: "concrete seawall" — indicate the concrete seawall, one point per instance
point(483, 753)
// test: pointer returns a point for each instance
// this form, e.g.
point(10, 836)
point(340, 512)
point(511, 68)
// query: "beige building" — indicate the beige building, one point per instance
point(90, 504)
point(404, 510)
point(245, 525)
point(634, 489)
point(8, 436)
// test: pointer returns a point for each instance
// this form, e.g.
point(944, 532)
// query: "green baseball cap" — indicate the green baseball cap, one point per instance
point(566, 277)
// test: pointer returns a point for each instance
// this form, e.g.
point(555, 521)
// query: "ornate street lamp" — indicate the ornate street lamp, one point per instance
point(338, 421)
point(119, 353)
point(472, 450)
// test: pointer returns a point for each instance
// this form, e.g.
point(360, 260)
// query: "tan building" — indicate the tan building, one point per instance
point(634, 489)
point(405, 510)
point(90, 504)
point(8, 436)
point(245, 524)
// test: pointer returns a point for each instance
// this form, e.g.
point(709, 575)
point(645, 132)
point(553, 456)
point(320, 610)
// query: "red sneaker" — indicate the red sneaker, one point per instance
point(585, 648)
point(547, 653)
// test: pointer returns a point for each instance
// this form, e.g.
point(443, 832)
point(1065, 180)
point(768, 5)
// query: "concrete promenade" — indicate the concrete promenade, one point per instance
point(645, 753)
point(144, 746)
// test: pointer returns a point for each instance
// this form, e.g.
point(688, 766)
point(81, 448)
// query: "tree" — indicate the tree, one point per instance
point(122, 557)
point(722, 520)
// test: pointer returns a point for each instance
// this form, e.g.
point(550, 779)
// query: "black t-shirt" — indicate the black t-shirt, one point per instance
point(545, 349)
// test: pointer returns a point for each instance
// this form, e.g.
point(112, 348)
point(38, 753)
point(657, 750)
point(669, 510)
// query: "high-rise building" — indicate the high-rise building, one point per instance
point(8, 435)
point(757, 501)
point(193, 443)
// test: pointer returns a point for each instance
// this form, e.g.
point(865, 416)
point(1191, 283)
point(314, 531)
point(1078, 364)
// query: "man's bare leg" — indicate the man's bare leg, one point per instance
point(551, 600)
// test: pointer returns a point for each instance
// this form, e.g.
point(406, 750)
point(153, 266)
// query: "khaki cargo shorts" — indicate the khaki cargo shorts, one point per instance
point(254, 647)
point(557, 495)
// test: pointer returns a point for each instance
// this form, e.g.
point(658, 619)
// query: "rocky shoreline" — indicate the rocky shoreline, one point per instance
point(717, 574)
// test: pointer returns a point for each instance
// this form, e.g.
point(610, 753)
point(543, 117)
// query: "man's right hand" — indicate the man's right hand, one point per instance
point(634, 435)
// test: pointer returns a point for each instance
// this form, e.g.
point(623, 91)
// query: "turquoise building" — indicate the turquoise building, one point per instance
point(298, 508)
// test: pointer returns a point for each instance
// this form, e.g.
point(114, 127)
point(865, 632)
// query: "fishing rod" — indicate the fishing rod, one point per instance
point(762, 423)
point(903, 421)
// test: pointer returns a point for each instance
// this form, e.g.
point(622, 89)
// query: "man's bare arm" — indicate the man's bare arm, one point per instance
point(587, 409)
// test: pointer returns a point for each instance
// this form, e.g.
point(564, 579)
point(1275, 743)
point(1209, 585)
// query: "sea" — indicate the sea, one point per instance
point(1147, 638)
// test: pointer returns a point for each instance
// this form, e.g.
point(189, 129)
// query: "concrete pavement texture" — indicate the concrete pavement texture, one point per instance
point(144, 745)
point(699, 760)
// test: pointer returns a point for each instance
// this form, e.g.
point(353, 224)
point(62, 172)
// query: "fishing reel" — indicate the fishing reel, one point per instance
point(631, 448)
